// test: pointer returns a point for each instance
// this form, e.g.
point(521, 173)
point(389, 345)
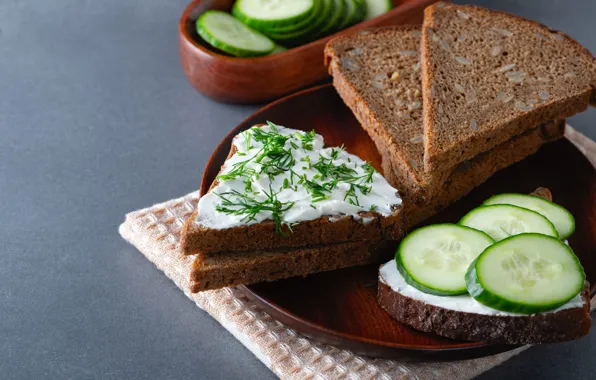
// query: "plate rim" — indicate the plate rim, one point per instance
point(301, 324)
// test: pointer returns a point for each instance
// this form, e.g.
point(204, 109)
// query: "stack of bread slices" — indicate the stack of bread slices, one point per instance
point(468, 93)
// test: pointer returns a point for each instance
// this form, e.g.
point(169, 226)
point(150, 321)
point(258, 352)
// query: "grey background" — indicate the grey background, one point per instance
point(90, 94)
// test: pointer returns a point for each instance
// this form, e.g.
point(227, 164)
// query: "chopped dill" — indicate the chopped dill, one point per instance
point(237, 203)
point(307, 140)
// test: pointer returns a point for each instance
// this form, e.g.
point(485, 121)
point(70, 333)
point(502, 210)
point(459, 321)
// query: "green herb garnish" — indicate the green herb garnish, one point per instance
point(307, 140)
point(237, 203)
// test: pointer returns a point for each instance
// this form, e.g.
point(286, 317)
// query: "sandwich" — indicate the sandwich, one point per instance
point(284, 205)
point(483, 280)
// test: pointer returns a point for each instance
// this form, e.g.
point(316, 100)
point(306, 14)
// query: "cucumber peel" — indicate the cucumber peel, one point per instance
point(559, 216)
point(434, 259)
point(502, 221)
point(527, 273)
point(376, 8)
point(263, 14)
point(224, 32)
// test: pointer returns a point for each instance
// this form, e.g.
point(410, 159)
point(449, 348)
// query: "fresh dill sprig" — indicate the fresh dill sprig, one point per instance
point(236, 203)
point(247, 138)
point(307, 140)
point(239, 170)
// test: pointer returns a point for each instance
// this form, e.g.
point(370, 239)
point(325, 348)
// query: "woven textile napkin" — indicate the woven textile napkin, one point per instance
point(155, 231)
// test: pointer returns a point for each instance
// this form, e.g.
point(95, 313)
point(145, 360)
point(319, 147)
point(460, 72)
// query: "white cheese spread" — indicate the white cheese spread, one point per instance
point(287, 175)
point(390, 276)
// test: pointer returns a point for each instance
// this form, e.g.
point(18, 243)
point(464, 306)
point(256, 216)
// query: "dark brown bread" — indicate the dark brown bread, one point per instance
point(376, 73)
point(540, 328)
point(488, 76)
point(234, 268)
point(355, 61)
point(262, 236)
point(196, 239)
point(472, 173)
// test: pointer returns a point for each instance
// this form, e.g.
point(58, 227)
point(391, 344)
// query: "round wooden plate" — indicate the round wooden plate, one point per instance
point(340, 307)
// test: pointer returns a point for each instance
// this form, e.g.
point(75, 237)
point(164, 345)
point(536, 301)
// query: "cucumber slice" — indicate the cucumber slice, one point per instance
point(360, 11)
point(559, 216)
point(349, 14)
point(222, 31)
point(376, 8)
point(278, 49)
point(304, 24)
point(527, 273)
point(262, 14)
point(502, 221)
point(335, 18)
point(434, 259)
point(308, 33)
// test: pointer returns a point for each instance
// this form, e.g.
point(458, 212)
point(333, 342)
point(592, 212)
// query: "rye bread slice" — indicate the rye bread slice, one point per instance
point(488, 76)
point(553, 327)
point(234, 268)
point(470, 174)
point(377, 74)
point(332, 229)
point(559, 326)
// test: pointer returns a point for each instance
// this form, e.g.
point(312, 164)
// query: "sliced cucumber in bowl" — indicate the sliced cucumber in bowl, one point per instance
point(561, 218)
point(351, 14)
point(306, 23)
point(222, 31)
point(527, 273)
point(261, 14)
point(503, 221)
point(308, 33)
point(376, 8)
point(334, 19)
point(434, 259)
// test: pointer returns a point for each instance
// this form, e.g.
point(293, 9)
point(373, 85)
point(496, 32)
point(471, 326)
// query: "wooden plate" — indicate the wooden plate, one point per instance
point(340, 307)
point(254, 80)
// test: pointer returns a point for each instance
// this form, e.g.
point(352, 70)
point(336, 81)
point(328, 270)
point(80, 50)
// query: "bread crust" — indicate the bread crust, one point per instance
point(473, 173)
point(412, 183)
point(560, 326)
point(232, 268)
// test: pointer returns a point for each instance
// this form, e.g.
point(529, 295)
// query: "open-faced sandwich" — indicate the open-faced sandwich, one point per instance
point(502, 275)
point(284, 205)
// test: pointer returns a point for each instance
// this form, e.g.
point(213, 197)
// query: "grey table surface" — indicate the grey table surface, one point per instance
point(91, 93)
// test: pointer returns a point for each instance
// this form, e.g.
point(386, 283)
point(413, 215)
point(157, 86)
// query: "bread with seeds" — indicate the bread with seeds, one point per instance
point(377, 74)
point(488, 76)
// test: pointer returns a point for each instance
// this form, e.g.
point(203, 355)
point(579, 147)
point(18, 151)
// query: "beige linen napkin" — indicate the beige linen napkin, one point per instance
point(155, 231)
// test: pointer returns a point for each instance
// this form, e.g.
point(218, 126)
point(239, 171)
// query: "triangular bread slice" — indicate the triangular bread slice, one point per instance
point(327, 229)
point(243, 268)
point(489, 75)
point(377, 74)
point(467, 321)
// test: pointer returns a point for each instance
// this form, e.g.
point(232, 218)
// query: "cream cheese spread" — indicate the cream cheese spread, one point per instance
point(389, 275)
point(288, 176)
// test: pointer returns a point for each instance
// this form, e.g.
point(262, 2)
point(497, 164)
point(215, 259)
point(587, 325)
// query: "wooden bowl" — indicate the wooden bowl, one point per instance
point(253, 80)
point(339, 307)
